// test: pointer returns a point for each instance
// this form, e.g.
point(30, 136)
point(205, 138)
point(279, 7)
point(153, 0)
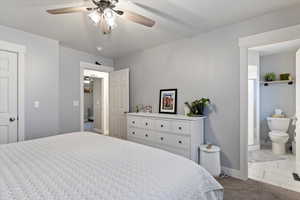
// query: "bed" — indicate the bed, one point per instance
point(89, 166)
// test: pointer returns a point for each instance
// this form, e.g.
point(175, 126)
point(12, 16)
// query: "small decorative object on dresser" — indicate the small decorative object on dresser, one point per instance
point(178, 134)
point(168, 101)
point(197, 107)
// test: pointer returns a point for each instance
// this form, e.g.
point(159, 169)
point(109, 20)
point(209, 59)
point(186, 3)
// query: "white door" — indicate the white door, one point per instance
point(98, 105)
point(118, 103)
point(8, 97)
point(298, 108)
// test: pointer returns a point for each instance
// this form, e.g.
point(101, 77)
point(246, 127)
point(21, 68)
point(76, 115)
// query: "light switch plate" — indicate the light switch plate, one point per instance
point(36, 104)
point(75, 103)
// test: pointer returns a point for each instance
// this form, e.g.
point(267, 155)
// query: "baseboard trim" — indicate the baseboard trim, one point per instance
point(232, 172)
point(105, 132)
point(98, 130)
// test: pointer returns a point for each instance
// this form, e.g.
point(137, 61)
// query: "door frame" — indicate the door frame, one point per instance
point(88, 66)
point(256, 145)
point(270, 37)
point(20, 51)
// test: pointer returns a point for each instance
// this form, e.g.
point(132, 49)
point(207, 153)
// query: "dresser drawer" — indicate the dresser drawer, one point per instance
point(181, 127)
point(162, 125)
point(133, 132)
point(141, 134)
point(173, 140)
point(134, 122)
point(147, 123)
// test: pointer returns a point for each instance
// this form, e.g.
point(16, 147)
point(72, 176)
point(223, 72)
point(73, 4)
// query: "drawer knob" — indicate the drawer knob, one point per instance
point(161, 138)
point(162, 125)
point(146, 135)
point(180, 128)
point(133, 122)
point(146, 123)
point(180, 142)
point(133, 133)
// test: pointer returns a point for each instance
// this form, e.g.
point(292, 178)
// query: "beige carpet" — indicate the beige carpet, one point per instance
point(252, 190)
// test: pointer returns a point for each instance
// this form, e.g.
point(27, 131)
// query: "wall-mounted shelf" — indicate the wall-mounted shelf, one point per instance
point(267, 83)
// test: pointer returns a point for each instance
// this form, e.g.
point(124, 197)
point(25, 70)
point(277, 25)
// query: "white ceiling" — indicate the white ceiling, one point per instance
point(286, 46)
point(76, 31)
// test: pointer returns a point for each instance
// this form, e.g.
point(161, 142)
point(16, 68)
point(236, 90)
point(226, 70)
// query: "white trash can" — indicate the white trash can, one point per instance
point(210, 159)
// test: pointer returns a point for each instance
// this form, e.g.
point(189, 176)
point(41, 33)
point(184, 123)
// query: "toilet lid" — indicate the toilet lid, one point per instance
point(273, 133)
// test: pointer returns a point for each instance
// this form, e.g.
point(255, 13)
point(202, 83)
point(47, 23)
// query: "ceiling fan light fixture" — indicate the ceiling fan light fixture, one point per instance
point(95, 16)
point(110, 17)
point(104, 13)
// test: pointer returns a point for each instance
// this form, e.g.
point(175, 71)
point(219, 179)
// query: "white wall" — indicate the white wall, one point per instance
point(52, 74)
point(203, 66)
point(70, 85)
point(277, 96)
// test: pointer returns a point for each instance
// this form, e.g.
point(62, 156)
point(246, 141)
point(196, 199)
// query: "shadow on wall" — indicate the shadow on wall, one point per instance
point(211, 137)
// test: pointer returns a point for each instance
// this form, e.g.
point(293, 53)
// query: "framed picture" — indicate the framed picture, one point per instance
point(168, 101)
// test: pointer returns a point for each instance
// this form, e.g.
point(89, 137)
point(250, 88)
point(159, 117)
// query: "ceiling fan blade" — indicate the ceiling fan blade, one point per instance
point(67, 10)
point(162, 14)
point(119, 12)
point(137, 18)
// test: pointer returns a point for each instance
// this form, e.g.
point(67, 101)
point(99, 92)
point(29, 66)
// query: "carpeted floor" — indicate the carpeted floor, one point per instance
point(252, 190)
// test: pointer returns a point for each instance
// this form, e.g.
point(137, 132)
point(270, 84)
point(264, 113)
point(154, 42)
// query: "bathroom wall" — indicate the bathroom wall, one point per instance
point(278, 95)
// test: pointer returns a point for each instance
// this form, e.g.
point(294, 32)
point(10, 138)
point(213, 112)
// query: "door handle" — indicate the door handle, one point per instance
point(12, 119)
point(126, 112)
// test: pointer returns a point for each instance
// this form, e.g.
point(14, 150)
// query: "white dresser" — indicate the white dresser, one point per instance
point(178, 134)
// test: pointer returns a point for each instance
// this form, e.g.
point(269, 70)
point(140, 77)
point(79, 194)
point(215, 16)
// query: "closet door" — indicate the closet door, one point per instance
point(8, 97)
point(118, 103)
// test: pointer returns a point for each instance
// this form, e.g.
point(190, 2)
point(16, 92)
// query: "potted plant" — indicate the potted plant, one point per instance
point(197, 107)
point(270, 76)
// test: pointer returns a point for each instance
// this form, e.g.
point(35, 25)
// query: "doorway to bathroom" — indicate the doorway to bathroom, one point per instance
point(272, 114)
point(96, 101)
point(108, 90)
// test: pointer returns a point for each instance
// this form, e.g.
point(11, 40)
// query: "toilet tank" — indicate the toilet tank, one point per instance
point(278, 124)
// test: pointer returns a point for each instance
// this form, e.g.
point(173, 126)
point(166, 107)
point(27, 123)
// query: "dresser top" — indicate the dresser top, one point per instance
point(166, 116)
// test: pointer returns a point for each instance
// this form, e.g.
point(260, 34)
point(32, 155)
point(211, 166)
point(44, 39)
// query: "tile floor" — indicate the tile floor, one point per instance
point(276, 172)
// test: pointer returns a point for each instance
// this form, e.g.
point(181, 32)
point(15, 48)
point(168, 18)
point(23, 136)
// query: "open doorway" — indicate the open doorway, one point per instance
point(272, 114)
point(96, 101)
point(104, 99)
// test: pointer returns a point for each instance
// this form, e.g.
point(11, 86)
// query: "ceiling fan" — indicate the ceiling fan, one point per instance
point(104, 13)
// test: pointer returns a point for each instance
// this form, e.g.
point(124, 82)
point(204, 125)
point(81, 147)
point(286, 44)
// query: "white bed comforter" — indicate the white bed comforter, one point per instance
point(81, 166)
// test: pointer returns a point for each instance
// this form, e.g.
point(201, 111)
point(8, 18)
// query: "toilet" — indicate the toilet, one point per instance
point(278, 134)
